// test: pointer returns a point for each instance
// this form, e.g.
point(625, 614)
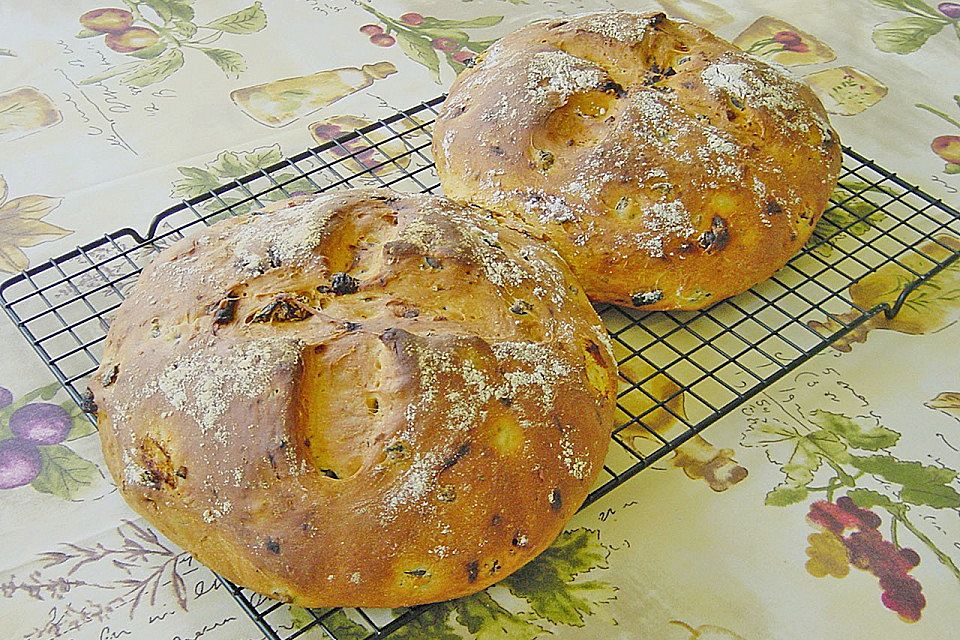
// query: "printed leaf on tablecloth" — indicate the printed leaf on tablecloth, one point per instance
point(151, 52)
point(170, 9)
point(263, 157)
point(917, 6)
point(63, 473)
point(196, 181)
point(157, 70)
point(486, 619)
point(338, 623)
point(947, 402)
point(420, 50)
point(784, 495)
point(547, 584)
point(249, 20)
point(906, 35)
point(922, 485)
point(432, 623)
point(229, 165)
point(20, 226)
point(861, 432)
point(867, 499)
point(81, 426)
point(476, 23)
point(8, 52)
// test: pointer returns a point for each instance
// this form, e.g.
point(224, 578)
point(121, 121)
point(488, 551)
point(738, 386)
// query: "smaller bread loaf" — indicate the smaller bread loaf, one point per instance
point(670, 169)
point(360, 399)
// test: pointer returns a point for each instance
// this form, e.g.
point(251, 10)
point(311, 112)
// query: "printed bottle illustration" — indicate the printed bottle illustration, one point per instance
point(278, 103)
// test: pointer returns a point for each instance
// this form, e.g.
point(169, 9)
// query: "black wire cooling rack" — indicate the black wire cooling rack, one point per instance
point(680, 372)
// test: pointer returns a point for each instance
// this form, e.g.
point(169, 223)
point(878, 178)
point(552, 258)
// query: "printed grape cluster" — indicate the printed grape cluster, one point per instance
point(850, 536)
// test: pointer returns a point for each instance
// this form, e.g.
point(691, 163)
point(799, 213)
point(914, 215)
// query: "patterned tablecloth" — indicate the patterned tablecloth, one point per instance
point(827, 507)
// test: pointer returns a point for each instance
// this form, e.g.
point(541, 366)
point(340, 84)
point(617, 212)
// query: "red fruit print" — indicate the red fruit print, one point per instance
point(903, 595)
point(445, 44)
point(383, 40)
point(413, 19)
point(107, 20)
point(371, 29)
point(832, 517)
point(463, 56)
point(787, 38)
point(132, 39)
point(947, 147)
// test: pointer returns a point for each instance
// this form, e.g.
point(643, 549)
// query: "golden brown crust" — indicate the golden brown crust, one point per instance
point(364, 399)
point(670, 169)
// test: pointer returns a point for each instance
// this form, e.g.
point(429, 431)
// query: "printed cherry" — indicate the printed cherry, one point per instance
point(791, 41)
point(383, 40)
point(412, 18)
point(445, 44)
point(949, 9)
point(371, 29)
point(41, 423)
point(947, 147)
point(19, 463)
point(463, 57)
point(787, 37)
point(131, 40)
point(107, 20)
point(6, 397)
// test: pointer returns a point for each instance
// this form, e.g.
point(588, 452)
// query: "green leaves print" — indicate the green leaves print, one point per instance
point(918, 484)
point(427, 40)
point(908, 34)
point(155, 34)
point(826, 439)
point(229, 165)
point(549, 585)
point(827, 453)
point(852, 211)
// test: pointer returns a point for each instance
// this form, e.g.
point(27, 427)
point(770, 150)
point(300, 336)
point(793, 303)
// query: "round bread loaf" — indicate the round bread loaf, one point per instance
point(670, 169)
point(362, 399)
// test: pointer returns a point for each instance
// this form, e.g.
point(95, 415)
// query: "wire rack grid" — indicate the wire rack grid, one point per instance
point(680, 372)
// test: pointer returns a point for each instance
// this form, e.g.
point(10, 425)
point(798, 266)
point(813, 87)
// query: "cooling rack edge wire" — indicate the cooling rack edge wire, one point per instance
point(703, 364)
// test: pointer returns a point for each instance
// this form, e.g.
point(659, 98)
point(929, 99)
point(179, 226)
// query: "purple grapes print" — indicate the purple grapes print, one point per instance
point(19, 463)
point(34, 433)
